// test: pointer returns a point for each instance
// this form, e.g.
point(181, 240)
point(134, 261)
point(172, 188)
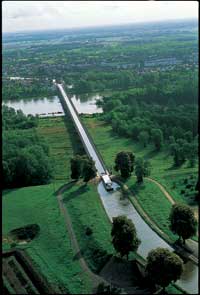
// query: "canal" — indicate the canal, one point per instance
point(113, 202)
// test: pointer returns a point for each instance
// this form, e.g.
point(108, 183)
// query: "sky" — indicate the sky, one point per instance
point(42, 15)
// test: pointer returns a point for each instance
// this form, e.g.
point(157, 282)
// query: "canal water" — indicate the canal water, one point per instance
point(113, 202)
point(116, 205)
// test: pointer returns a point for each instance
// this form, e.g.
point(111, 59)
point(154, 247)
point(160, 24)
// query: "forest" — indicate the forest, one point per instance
point(168, 124)
point(26, 158)
point(13, 90)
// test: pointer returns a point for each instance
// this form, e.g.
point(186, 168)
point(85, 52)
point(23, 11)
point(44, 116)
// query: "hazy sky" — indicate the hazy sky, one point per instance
point(39, 15)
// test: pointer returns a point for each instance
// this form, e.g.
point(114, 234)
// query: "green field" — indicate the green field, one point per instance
point(85, 209)
point(63, 142)
point(51, 250)
point(109, 144)
point(150, 197)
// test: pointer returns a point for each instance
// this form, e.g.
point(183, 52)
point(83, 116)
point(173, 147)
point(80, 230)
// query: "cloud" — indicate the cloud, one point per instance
point(36, 15)
point(25, 13)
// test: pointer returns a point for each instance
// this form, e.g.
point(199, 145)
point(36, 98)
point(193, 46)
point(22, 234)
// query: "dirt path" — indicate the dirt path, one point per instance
point(168, 196)
point(95, 279)
point(191, 243)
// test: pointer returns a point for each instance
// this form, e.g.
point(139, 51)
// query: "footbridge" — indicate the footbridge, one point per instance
point(85, 137)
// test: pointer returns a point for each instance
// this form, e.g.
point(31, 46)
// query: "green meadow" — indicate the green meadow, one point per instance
point(51, 250)
point(149, 196)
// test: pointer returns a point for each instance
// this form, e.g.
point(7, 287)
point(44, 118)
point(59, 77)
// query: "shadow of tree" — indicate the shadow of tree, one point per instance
point(78, 255)
point(73, 135)
point(65, 187)
point(173, 167)
point(136, 187)
point(81, 190)
point(150, 154)
point(7, 191)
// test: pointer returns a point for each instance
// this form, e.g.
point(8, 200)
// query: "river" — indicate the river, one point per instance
point(51, 106)
point(113, 203)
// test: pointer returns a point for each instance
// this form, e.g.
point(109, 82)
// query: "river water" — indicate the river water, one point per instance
point(51, 106)
point(113, 202)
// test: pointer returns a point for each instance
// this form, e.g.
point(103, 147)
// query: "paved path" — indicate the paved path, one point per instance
point(95, 279)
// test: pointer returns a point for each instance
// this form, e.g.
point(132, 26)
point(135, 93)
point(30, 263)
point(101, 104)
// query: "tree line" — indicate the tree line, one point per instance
point(162, 266)
point(26, 89)
point(169, 125)
point(25, 155)
point(178, 85)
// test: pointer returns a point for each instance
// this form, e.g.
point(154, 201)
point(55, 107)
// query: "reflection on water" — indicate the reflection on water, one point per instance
point(86, 103)
point(189, 279)
point(37, 105)
point(116, 205)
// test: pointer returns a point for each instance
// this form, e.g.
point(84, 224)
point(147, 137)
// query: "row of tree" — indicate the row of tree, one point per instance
point(182, 220)
point(26, 89)
point(82, 166)
point(177, 85)
point(163, 266)
point(126, 163)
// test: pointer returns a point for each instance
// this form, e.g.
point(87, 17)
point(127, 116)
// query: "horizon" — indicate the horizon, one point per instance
point(49, 15)
point(102, 26)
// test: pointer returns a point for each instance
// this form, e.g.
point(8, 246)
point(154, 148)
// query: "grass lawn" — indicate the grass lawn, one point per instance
point(109, 144)
point(150, 198)
point(85, 209)
point(182, 188)
point(63, 142)
point(51, 250)
point(153, 200)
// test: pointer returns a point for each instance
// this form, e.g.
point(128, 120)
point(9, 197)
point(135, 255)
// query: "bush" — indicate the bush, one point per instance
point(27, 232)
point(182, 192)
point(88, 231)
point(100, 257)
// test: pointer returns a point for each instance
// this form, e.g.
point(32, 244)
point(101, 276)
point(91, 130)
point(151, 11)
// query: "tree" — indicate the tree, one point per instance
point(107, 289)
point(157, 137)
point(88, 170)
point(197, 190)
point(182, 221)
point(142, 169)
point(178, 150)
point(124, 236)
point(76, 165)
point(192, 153)
point(171, 139)
point(188, 136)
point(124, 162)
point(32, 167)
point(163, 267)
point(144, 137)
